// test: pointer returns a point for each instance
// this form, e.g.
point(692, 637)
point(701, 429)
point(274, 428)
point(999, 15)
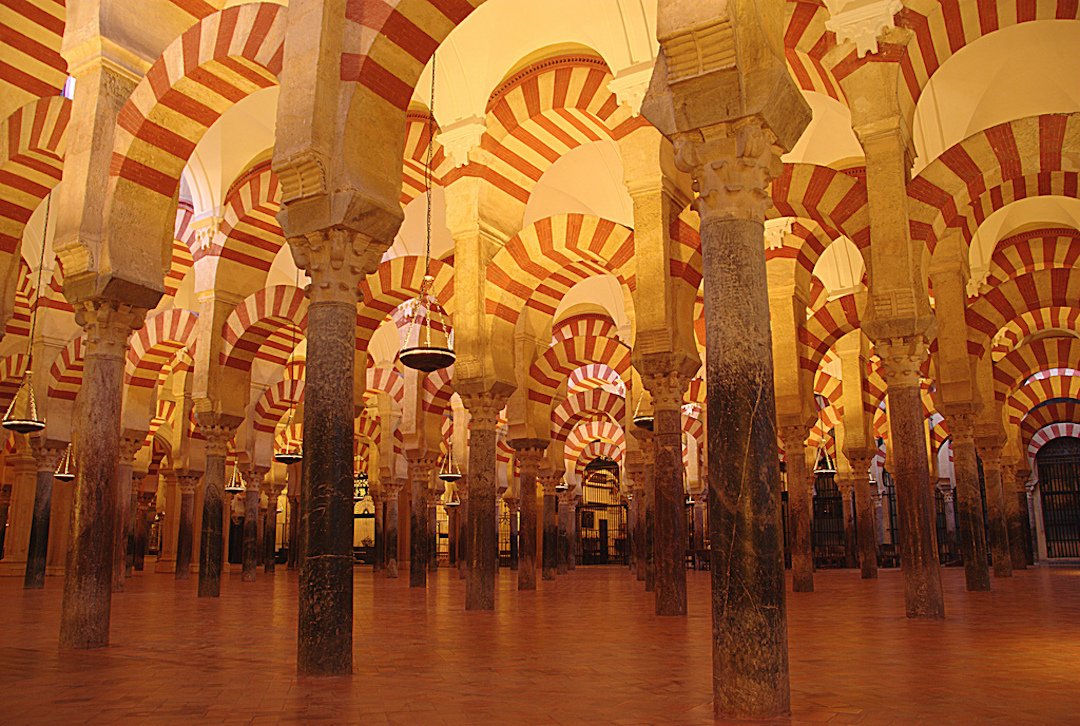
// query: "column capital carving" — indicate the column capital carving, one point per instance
point(529, 452)
point(548, 481)
point(484, 408)
point(108, 325)
point(337, 260)
point(217, 438)
point(846, 486)
point(795, 435)
point(129, 447)
point(666, 389)
point(961, 427)
point(47, 455)
point(901, 358)
point(732, 165)
point(875, 497)
point(392, 489)
point(990, 454)
point(512, 503)
point(860, 463)
point(253, 479)
point(188, 482)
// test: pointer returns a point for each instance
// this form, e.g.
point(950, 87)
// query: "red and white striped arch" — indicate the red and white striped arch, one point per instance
point(541, 263)
point(1017, 330)
point(986, 171)
point(386, 380)
point(595, 375)
point(18, 326)
point(217, 62)
point(154, 346)
point(595, 450)
point(275, 402)
point(593, 403)
point(417, 139)
point(164, 409)
point(833, 321)
point(993, 310)
point(252, 236)
point(804, 28)
point(181, 265)
point(833, 199)
point(585, 324)
point(265, 325)
point(65, 374)
point(558, 361)
point(395, 281)
point(32, 145)
point(1037, 249)
point(30, 62)
point(1048, 433)
point(438, 388)
point(12, 370)
point(1039, 391)
point(1042, 355)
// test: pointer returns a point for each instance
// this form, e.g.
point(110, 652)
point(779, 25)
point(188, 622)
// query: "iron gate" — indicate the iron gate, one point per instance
point(827, 528)
point(601, 520)
point(1059, 485)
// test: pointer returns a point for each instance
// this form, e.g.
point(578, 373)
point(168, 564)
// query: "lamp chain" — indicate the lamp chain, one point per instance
point(427, 169)
point(37, 298)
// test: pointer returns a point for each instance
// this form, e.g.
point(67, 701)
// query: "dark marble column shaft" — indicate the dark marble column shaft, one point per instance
point(270, 531)
point(572, 532)
point(562, 561)
point(390, 529)
point(919, 566)
point(211, 543)
point(484, 411)
point(866, 528)
point(433, 531)
point(550, 547)
point(325, 626)
point(253, 486)
point(293, 563)
point(750, 652)
point(1015, 518)
point(380, 532)
point(87, 600)
point(185, 534)
point(631, 531)
point(668, 492)
point(128, 448)
point(846, 492)
point(995, 511)
point(650, 531)
point(513, 505)
point(642, 505)
point(132, 523)
point(799, 503)
point(1022, 496)
point(529, 453)
point(419, 528)
point(969, 502)
point(38, 550)
point(463, 531)
point(142, 529)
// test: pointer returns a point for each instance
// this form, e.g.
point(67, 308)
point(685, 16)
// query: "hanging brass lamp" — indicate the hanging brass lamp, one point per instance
point(235, 485)
point(65, 470)
point(449, 472)
point(429, 337)
point(22, 415)
point(643, 419)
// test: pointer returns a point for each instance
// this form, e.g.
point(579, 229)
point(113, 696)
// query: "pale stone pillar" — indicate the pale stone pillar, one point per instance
point(990, 453)
point(84, 620)
point(37, 549)
point(20, 513)
point(969, 501)
point(63, 497)
point(484, 408)
point(799, 506)
point(847, 491)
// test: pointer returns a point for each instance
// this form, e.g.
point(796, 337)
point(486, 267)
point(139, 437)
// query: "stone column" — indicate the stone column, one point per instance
point(1015, 517)
point(273, 494)
point(562, 562)
point(142, 528)
point(84, 619)
point(1025, 510)
point(380, 534)
point(420, 545)
point(131, 523)
point(572, 532)
point(641, 506)
point(390, 528)
point(649, 544)
point(528, 455)
point(37, 549)
point(463, 530)
point(699, 523)
point(990, 453)
point(170, 522)
point(948, 496)
point(294, 526)
point(513, 505)
point(799, 507)
point(128, 448)
point(211, 543)
point(185, 537)
point(901, 358)
point(433, 529)
point(253, 479)
point(5, 504)
point(866, 522)
point(631, 530)
point(484, 411)
point(550, 544)
point(847, 491)
point(969, 501)
point(669, 495)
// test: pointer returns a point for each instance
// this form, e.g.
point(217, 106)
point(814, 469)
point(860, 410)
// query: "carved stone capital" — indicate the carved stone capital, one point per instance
point(47, 455)
point(484, 408)
point(188, 482)
point(990, 455)
point(337, 260)
point(548, 481)
point(129, 447)
point(108, 325)
point(217, 439)
point(863, 24)
point(529, 453)
point(732, 166)
point(961, 428)
point(253, 479)
point(666, 389)
point(793, 436)
point(901, 358)
point(512, 504)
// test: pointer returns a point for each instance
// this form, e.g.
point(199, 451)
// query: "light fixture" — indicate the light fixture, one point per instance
point(449, 471)
point(454, 502)
point(429, 337)
point(22, 415)
point(825, 464)
point(235, 485)
point(562, 486)
point(65, 470)
point(294, 450)
point(643, 420)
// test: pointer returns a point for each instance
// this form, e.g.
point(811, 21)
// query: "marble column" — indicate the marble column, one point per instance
point(390, 528)
point(572, 533)
point(648, 504)
point(513, 506)
point(463, 530)
point(866, 523)
point(37, 551)
point(948, 497)
point(562, 554)
point(87, 600)
point(641, 501)
point(901, 358)
point(995, 510)
point(380, 534)
point(433, 530)
point(699, 523)
point(185, 536)
point(142, 528)
point(750, 652)
point(211, 543)
point(550, 546)
point(253, 480)
point(132, 523)
point(631, 530)
point(669, 494)
point(293, 521)
point(528, 455)
point(484, 411)
point(273, 494)
point(128, 448)
point(847, 491)
point(968, 501)
point(1025, 513)
point(879, 516)
point(1015, 517)
point(419, 528)
point(799, 507)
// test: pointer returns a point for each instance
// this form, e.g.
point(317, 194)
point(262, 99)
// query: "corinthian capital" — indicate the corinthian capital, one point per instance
point(336, 259)
point(901, 358)
point(961, 428)
point(108, 325)
point(484, 408)
point(666, 389)
point(217, 439)
point(732, 166)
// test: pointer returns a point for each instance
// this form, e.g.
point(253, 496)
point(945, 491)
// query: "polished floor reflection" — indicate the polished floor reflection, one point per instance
point(585, 649)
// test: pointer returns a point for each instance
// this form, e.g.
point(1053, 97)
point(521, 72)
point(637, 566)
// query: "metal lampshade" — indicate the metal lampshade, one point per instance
point(65, 470)
point(292, 453)
point(22, 415)
point(449, 471)
point(235, 485)
point(825, 464)
point(429, 335)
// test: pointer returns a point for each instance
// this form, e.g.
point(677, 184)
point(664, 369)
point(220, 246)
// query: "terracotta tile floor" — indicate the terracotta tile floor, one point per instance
point(583, 650)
